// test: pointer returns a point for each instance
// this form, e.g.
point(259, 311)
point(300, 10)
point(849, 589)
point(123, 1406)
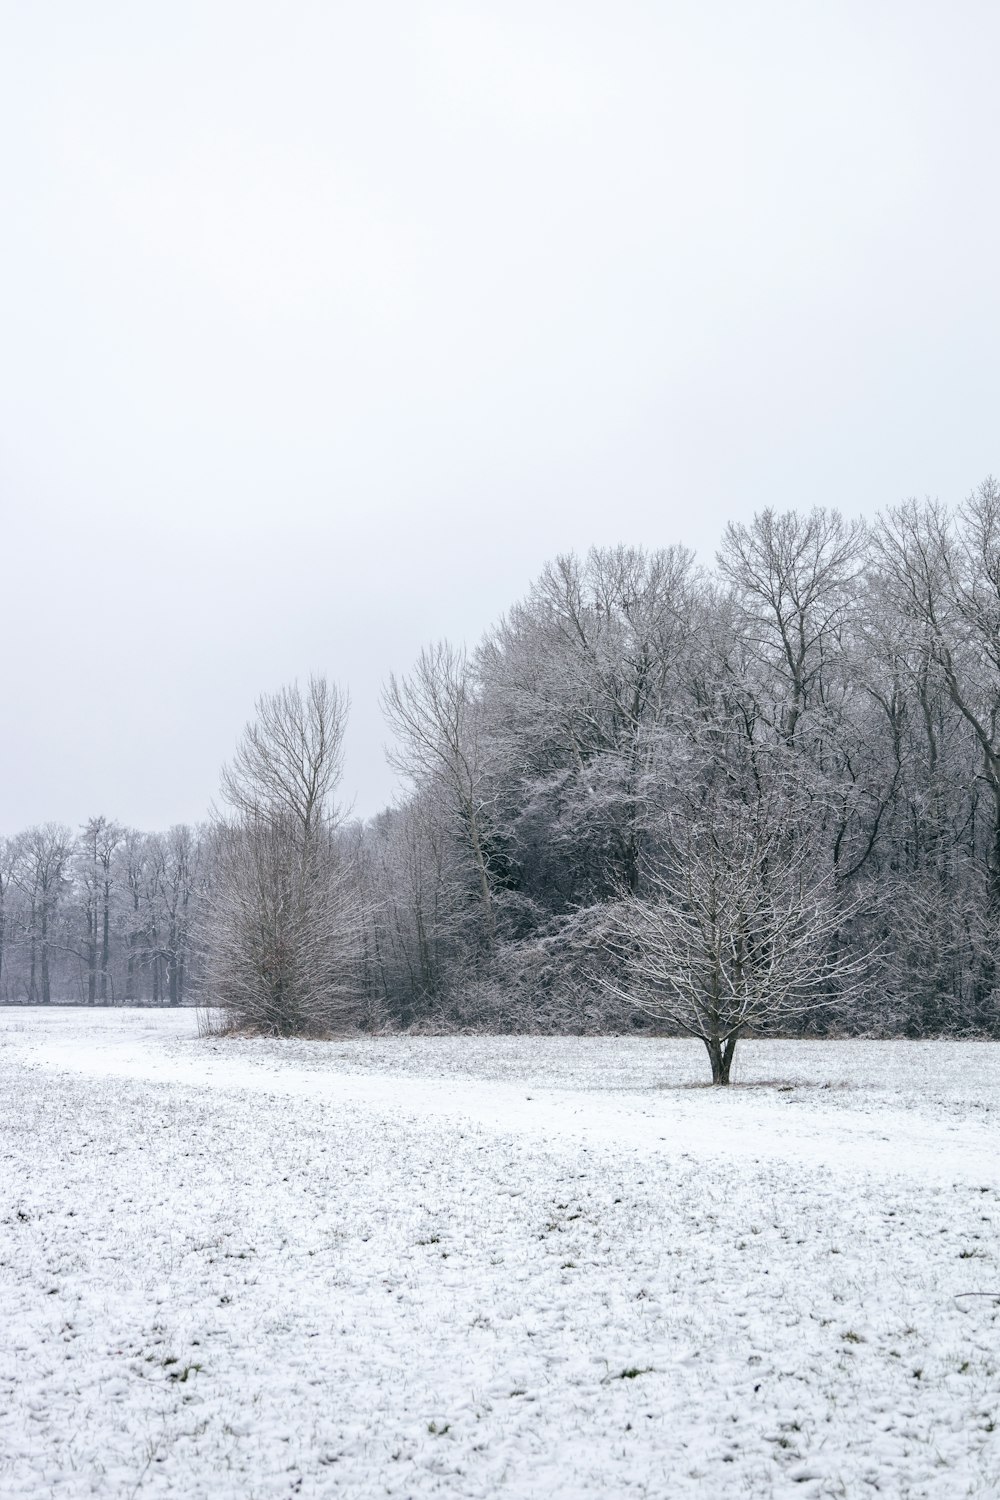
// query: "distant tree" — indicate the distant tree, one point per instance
point(95, 869)
point(8, 864)
point(133, 918)
point(794, 582)
point(179, 861)
point(43, 854)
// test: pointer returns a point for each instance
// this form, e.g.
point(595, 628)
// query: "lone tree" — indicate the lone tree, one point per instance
point(282, 933)
point(732, 933)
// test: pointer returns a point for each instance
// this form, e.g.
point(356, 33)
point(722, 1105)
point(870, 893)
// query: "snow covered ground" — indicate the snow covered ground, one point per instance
point(476, 1267)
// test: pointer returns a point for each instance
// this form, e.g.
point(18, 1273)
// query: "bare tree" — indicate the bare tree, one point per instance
point(282, 928)
point(734, 932)
point(434, 715)
point(172, 863)
point(283, 934)
point(290, 759)
point(133, 918)
point(96, 871)
point(8, 864)
point(793, 578)
point(419, 930)
point(40, 871)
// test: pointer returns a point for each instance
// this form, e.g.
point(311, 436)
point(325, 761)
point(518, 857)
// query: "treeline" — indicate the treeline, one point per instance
point(770, 789)
point(104, 916)
point(637, 723)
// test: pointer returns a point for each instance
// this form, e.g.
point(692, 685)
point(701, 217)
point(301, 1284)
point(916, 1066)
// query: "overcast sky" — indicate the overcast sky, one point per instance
point(322, 326)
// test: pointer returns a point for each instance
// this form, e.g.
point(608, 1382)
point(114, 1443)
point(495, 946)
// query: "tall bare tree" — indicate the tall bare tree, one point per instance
point(794, 580)
point(435, 717)
point(290, 759)
point(96, 871)
point(43, 856)
point(282, 928)
point(8, 865)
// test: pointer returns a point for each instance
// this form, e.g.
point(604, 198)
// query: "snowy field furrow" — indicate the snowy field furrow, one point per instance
point(478, 1267)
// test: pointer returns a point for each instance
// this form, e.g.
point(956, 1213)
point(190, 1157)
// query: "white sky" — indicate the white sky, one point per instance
point(322, 326)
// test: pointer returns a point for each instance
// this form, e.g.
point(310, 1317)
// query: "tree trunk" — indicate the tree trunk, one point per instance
point(91, 961)
point(721, 1057)
point(105, 944)
point(46, 987)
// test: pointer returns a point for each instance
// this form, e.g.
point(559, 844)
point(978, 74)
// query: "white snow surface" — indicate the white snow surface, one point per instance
point(478, 1267)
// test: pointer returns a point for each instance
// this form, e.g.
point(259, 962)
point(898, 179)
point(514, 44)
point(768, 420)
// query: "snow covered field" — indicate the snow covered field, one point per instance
point(493, 1267)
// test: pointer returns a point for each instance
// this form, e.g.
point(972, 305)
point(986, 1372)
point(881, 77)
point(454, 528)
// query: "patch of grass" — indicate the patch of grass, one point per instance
point(776, 1085)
